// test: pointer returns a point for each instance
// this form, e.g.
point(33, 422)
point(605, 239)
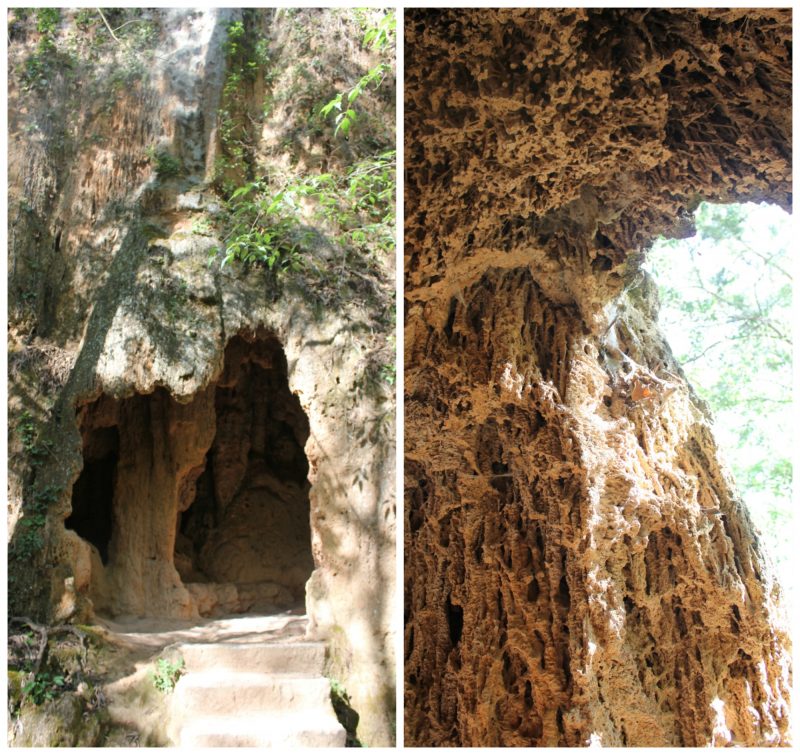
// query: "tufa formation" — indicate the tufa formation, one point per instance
point(579, 567)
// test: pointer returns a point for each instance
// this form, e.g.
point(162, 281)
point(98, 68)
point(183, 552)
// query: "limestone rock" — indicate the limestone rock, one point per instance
point(579, 569)
point(120, 330)
point(214, 599)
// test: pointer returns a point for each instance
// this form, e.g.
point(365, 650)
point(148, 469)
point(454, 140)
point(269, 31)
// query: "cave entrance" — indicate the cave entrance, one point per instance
point(93, 491)
point(201, 506)
point(244, 541)
point(726, 296)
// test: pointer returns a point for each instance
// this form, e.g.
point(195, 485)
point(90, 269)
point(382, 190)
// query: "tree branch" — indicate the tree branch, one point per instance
point(108, 26)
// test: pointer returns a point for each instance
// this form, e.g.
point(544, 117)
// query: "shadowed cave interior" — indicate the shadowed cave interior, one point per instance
point(93, 492)
point(227, 504)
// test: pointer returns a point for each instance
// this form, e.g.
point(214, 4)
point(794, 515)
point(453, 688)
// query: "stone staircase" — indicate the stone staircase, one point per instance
point(254, 694)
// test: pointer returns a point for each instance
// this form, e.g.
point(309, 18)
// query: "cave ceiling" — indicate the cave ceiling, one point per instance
point(568, 140)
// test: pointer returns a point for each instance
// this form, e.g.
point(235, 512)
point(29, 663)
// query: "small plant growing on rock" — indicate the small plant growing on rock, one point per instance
point(377, 37)
point(47, 20)
point(44, 686)
point(38, 67)
point(167, 674)
point(27, 431)
point(202, 226)
point(165, 164)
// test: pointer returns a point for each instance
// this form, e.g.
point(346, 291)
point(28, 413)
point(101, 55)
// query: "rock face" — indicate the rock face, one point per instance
point(249, 521)
point(188, 439)
point(579, 567)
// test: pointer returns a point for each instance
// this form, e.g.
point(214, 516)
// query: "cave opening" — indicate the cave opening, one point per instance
point(93, 492)
point(245, 536)
point(198, 507)
point(725, 308)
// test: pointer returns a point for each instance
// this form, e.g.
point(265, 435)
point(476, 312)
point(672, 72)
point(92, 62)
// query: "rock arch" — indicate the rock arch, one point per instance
point(207, 497)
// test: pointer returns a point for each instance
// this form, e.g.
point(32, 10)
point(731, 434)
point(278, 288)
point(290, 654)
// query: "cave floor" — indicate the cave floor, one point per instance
point(154, 633)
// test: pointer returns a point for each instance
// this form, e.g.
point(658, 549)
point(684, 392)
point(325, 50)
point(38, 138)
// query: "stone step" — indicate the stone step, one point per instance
point(301, 658)
point(225, 693)
point(263, 730)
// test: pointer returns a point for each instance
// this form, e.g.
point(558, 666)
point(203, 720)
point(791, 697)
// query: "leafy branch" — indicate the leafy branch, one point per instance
point(266, 227)
point(343, 104)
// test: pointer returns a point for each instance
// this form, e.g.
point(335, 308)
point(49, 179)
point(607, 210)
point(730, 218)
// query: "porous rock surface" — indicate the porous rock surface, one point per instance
point(123, 332)
point(579, 568)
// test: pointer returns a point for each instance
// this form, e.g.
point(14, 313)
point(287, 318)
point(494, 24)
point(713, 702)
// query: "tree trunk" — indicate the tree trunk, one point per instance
point(579, 566)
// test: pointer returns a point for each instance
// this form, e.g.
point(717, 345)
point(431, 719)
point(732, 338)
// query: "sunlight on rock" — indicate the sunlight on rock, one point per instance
point(595, 740)
point(721, 735)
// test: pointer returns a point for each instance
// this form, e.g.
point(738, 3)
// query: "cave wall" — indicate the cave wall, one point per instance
point(579, 567)
point(111, 295)
point(162, 444)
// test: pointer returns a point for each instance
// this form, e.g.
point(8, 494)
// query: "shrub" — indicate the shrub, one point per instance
point(44, 686)
point(165, 164)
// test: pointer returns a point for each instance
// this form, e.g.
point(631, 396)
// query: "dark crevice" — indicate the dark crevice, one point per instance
point(93, 492)
point(455, 621)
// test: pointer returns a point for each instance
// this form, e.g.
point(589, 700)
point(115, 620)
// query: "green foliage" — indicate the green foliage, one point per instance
point(167, 673)
point(260, 231)
point(28, 540)
point(389, 373)
point(63, 52)
point(247, 55)
point(36, 448)
point(27, 430)
point(267, 227)
point(247, 52)
point(44, 686)
point(727, 313)
point(165, 164)
point(265, 222)
point(85, 18)
point(47, 20)
point(40, 65)
point(383, 33)
point(202, 226)
point(324, 225)
point(343, 104)
point(235, 35)
point(141, 35)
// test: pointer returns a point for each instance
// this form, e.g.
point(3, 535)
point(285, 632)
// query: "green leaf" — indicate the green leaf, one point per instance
point(242, 190)
point(343, 125)
point(336, 102)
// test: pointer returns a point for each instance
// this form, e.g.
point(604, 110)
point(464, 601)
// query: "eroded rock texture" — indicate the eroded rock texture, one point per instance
point(579, 568)
point(187, 439)
point(247, 524)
